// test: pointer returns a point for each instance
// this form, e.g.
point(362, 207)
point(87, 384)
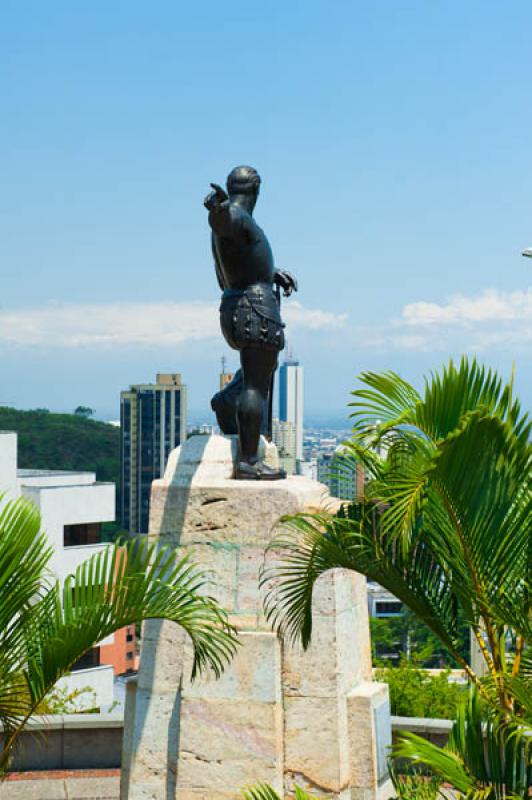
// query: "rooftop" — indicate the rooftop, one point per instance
point(52, 473)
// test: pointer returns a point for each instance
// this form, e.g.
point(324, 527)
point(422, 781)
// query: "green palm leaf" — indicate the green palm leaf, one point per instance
point(46, 627)
point(487, 757)
point(446, 521)
point(261, 791)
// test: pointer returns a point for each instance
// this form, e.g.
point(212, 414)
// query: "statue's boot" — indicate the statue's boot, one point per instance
point(258, 472)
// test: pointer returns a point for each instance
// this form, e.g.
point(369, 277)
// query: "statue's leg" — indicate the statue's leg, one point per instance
point(257, 367)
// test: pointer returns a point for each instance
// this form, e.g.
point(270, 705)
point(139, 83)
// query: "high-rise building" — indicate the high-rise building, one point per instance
point(284, 437)
point(153, 418)
point(343, 477)
point(291, 400)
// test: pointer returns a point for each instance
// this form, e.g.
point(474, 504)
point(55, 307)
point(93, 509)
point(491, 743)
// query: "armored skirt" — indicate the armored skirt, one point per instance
point(251, 318)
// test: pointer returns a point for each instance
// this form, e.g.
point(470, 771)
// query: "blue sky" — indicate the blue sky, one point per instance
point(393, 139)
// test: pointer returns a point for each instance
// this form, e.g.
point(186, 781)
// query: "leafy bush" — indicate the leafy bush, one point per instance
point(62, 701)
point(415, 692)
point(414, 785)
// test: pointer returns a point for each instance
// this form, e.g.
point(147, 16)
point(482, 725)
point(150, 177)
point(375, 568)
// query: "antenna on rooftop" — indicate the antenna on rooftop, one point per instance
point(289, 352)
point(224, 364)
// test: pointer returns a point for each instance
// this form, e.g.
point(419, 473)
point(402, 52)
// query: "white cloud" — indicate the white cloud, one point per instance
point(122, 324)
point(489, 305)
point(489, 319)
point(298, 316)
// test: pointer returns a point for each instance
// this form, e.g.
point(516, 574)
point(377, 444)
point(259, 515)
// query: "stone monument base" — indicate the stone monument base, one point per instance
point(277, 714)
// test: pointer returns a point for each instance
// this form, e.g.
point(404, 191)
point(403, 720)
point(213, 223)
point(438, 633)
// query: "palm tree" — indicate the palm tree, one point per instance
point(445, 524)
point(46, 627)
point(487, 757)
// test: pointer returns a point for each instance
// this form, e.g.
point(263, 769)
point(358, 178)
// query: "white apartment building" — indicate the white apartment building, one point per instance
point(72, 506)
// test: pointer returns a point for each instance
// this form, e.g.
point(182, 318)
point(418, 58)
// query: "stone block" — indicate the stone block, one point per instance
point(163, 645)
point(369, 730)
point(316, 743)
point(229, 744)
point(219, 563)
point(91, 788)
point(254, 675)
point(277, 714)
point(339, 655)
point(33, 790)
point(248, 594)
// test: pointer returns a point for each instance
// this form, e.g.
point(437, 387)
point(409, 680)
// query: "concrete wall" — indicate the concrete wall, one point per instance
point(434, 730)
point(94, 741)
point(55, 477)
point(70, 741)
point(71, 505)
point(98, 679)
point(8, 464)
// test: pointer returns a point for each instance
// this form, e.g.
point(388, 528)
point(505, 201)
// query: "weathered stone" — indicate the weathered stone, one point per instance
point(369, 740)
point(277, 714)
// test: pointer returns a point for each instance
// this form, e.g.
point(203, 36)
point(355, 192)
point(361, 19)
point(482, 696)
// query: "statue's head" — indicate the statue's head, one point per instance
point(243, 180)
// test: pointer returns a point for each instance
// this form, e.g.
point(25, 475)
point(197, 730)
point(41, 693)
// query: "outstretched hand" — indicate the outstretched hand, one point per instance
point(286, 281)
point(215, 198)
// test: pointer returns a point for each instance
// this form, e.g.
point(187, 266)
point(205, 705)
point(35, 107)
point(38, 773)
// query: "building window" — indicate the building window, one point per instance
point(129, 656)
point(384, 608)
point(90, 659)
point(87, 533)
point(129, 637)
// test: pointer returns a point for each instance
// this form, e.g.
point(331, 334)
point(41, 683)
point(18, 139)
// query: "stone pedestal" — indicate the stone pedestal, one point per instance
point(277, 714)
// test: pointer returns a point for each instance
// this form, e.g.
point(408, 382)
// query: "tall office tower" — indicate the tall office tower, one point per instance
point(291, 400)
point(284, 437)
point(153, 418)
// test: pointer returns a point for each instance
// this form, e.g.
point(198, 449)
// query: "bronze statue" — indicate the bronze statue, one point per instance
point(250, 316)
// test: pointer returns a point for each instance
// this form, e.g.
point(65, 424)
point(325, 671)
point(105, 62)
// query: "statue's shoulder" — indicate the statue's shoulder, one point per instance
point(231, 221)
point(241, 220)
point(238, 213)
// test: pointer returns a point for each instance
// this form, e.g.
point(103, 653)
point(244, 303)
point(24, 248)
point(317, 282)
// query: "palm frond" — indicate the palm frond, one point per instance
point(388, 400)
point(261, 791)
point(24, 556)
point(46, 628)
point(116, 588)
point(311, 544)
point(486, 756)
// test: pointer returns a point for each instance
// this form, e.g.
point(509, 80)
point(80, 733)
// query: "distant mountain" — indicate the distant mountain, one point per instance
point(64, 441)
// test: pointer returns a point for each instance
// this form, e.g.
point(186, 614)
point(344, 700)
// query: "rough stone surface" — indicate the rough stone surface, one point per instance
point(277, 714)
point(93, 788)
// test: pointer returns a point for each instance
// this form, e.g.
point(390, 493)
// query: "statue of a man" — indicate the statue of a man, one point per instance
point(250, 317)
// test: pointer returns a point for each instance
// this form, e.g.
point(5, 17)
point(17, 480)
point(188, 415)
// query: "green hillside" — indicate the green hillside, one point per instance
point(64, 441)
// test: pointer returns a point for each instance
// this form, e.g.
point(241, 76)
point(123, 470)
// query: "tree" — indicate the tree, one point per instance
point(84, 411)
point(415, 692)
point(46, 627)
point(445, 524)
point(406, 636)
